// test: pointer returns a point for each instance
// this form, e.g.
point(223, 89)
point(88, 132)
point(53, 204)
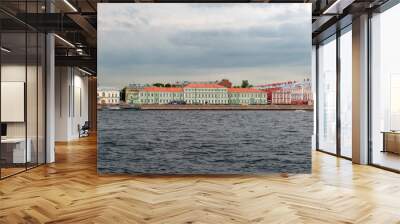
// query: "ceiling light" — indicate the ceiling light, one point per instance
point(5, 50)
point(84, 71)
point(331, 7)
point(79, 51)
point(65, 41)
point(70, 5)
point(338, 6)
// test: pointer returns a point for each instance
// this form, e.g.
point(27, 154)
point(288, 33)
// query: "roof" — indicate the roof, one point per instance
point(204, 85)
point(244, 90)
point(162, 89)
point(275, 89)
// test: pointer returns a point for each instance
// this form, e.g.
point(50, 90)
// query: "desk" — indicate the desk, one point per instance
point(391, 141)
point(19, 155)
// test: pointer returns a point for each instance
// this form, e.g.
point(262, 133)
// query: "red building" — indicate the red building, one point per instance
point(290, 92)
point(226, 83)
point(269, 92)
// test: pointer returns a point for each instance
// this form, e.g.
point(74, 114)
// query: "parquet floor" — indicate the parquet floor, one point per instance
point(70, 191)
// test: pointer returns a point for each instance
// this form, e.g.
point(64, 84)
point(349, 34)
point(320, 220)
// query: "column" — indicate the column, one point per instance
point(360, 90)
point(50, 98)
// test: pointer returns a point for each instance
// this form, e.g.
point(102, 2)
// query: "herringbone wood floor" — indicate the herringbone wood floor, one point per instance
point(70, 191)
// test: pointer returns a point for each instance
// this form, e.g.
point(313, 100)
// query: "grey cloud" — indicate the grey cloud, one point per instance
point(140, 50)
point(221, 48)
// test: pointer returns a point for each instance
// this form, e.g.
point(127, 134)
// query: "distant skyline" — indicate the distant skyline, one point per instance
point(148, 43)
point(180, 82)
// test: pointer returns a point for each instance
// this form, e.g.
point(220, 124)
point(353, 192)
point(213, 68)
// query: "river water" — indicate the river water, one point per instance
point(204, 142)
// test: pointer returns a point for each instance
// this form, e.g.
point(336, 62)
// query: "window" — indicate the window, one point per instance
point(346, 93)
point(385, 89)
point(327, 96)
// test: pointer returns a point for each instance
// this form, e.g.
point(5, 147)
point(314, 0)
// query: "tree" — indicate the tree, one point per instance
point(158, 84)
point(167, 85)
point(245, 83)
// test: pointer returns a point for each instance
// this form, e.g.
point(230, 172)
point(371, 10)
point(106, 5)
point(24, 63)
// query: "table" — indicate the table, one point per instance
point(19, 155)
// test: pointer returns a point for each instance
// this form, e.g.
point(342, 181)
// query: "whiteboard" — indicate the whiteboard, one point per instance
point(12, 101)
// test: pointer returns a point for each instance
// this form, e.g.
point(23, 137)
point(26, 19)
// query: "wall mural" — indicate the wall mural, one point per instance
point(204, 88)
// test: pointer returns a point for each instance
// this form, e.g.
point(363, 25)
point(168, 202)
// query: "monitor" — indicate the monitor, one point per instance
point(3, 129)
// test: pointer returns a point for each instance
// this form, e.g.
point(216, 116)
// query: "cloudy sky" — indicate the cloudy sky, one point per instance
point(148, 43)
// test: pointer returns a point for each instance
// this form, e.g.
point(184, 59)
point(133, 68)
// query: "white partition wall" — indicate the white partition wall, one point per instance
point(14, 142)
point(71, 102)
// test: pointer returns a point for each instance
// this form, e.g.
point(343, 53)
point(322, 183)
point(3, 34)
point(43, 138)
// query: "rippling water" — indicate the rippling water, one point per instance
point(204, 142)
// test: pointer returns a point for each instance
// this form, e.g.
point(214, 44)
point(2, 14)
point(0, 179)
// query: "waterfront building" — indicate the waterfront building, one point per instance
point(301, 93)
point(246, 96)
point(130, 94)
point(269, 92)
point(106, 95)
point(160, 95)
point(198, 93)
point(205, 93)
point(281, 96)
point(291, 92)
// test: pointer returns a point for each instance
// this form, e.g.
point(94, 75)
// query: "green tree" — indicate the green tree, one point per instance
point(158, 84)
point(167, 85)
point(245, 83)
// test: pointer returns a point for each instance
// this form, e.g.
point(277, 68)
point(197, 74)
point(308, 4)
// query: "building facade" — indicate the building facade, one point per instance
point(130, 94)
point(269, 92)
point(246, 96)
point(205, 94)
point(282, 97)
point(108, 96)
point(160, 95)
point(215, 93)
point(291, 92)
point(197, 93)
point(301, 93)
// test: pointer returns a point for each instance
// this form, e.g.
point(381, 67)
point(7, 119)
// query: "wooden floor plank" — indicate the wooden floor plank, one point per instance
point(70, 191)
